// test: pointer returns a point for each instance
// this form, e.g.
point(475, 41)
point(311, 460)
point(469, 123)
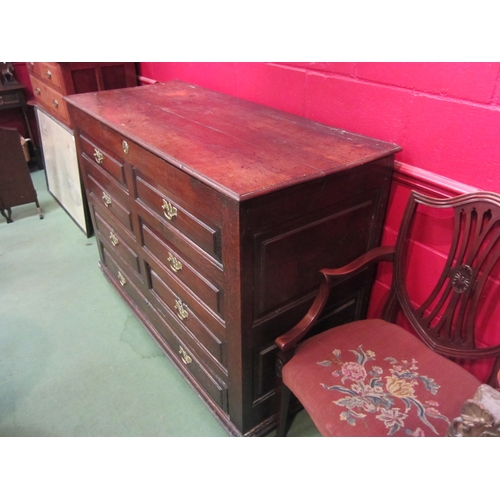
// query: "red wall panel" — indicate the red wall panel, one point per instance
point(376, 111)
point(217, 76)
point(456, 140)
point(259, 83)
point(470, 81)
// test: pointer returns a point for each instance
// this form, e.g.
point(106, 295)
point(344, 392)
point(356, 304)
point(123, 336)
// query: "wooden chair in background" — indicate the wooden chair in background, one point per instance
point(16, 185)
point(375, 378)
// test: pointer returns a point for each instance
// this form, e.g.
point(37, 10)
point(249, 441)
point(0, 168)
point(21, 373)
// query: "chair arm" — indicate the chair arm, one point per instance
point(290, 339)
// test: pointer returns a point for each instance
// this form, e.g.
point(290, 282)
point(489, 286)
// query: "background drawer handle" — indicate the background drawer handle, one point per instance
point(121, 279)
point(55, 103)
point(113, 238)
point(106, 199)
point(98, 156)
point(169, 210)
point(182, 311)
point(38, 91)
point(186, 358)
point(48, 74)
point(175, 264)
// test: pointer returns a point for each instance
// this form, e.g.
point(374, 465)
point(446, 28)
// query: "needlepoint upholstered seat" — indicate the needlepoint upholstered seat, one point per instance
point(376, 378)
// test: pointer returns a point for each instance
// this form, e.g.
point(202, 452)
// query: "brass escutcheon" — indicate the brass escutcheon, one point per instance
point(98, 156)
point(186, 358)
point(169, 210)
point(106, 199)
point(175, 264)
point(182, 311)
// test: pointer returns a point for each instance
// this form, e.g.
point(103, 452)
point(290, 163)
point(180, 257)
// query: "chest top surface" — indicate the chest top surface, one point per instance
point(240, 148)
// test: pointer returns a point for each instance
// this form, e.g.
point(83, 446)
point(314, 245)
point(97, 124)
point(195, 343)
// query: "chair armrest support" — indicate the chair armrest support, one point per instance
point(290, 339)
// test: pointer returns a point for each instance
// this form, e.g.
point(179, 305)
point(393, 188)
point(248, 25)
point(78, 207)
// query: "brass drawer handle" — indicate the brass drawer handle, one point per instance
point(182, 311)
point(55, 103)
point(121, 279)
point(125, 147)
point(48, 74)
point(38, 91)
point(113, 238)
point(98, 156)
point(175, 264)
point(169, 210)
point(106, 199)
point(186, 358)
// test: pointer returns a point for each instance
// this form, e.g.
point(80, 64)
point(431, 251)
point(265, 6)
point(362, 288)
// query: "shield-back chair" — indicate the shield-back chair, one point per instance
point(375, 378)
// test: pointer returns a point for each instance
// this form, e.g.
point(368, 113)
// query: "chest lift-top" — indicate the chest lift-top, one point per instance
point(213, 216)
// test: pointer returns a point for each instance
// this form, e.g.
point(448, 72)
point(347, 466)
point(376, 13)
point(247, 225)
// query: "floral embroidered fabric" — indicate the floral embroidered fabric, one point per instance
point(391, 396)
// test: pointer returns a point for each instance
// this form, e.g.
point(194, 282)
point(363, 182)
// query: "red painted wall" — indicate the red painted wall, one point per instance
point(446, 117)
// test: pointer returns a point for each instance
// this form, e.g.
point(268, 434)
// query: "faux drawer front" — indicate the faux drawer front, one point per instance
point(107, 194)
point(172, 213)
point(214, 387)
point(51, 100)
point(210, 384)
point(200, 276)
point(102, 156)
point(48, 73)
point(123, 280)
point(188, 321)
point(116, 242)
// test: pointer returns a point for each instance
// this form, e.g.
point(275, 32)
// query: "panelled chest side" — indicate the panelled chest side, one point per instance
point(213, 216)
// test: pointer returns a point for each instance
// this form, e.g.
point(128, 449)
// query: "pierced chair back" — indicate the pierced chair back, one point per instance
point(463, 298)
point(447, 289)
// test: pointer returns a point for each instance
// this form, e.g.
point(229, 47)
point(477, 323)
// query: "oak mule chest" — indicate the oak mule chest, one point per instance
point(213, 215)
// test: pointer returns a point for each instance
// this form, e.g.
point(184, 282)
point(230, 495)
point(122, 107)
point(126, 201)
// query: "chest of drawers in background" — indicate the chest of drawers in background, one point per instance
point(213, 216)
point(52, 81)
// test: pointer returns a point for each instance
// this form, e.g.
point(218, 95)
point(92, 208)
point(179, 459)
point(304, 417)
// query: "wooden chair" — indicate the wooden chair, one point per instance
point(375, 378)
point(16, 185)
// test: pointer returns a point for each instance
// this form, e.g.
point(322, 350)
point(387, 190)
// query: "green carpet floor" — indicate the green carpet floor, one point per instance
point(74, 360)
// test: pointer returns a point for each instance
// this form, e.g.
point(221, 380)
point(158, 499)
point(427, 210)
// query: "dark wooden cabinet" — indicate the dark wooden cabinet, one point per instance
point(213, 216)
point(16, 186)
point(12, 97)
